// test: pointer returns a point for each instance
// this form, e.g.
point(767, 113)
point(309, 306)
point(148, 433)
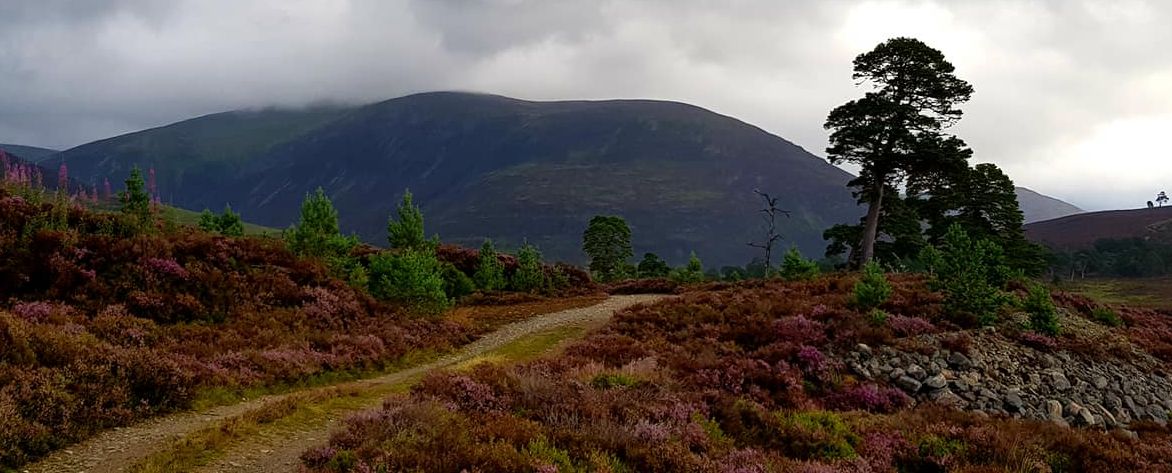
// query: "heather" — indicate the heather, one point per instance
point(737, 378)
point(108, 318)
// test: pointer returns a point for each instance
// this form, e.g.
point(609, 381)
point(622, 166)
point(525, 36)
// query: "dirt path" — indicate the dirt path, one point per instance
point(278, 450)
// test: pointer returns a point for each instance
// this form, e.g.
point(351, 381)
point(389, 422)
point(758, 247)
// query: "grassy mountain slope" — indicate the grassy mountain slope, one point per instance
point(491, 166)
point(31, 153)
point(1038, 207)
point(194, 156)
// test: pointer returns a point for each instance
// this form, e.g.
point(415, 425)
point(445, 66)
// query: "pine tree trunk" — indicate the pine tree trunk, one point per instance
point(871, 227)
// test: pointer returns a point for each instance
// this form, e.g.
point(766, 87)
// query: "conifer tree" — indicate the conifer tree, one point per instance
point(407, 230)
point(490, 273)
point(530, 275)
point(135, 200)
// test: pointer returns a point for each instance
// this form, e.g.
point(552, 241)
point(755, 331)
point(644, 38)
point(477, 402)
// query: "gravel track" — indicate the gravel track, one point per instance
point(118, 449)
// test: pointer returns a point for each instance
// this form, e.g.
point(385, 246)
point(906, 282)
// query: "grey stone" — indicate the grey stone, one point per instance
point(1158, 414)
point(896, 374)
point(1053, 409)
point(936, 382)
point(1100, 382)
point(1108, 420)
point(917, 372)
point(1111, 401)
point(863, 349)
point(1013, 402)
point(908, 384)
point(1085, 417)
point(1059, 381)
point(959, 385)
point(958, 361)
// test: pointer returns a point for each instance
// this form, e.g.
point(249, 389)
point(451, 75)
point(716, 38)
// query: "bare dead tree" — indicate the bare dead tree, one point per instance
point(770, 213)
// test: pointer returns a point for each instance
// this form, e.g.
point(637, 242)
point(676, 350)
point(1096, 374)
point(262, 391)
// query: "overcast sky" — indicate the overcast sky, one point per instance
point(1073, 98)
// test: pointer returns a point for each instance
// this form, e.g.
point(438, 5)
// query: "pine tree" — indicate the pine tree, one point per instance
point(317, 232)
point(135, 200)
point(652, 266)
point(407, 230)
point(894, 132)
point(607, 241)
point(530, 275)
point(490, 273)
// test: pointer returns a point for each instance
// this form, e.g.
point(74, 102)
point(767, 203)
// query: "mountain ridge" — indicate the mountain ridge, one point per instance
point(489, 166)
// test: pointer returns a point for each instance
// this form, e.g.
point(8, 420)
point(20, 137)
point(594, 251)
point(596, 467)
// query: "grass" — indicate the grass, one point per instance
point(1153, 293)
point(315, 407)
point(190, 218)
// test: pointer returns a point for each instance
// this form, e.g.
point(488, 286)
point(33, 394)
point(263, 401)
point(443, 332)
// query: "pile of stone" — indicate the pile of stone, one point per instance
point(999, 376)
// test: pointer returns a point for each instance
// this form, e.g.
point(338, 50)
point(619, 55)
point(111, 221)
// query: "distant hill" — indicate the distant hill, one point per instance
point(195, 156)
point(486, 166)
point(30, 153)
point(1038, 207)
point(1082, 230)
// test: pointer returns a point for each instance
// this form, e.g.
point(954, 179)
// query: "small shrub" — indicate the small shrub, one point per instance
point(873, 289)
point(1038, 341)
point(692, 273)
point(456, 283)
point(971, 273)
point(877, 317)
point(1106, 316)
point(411, 276)
point(1043, 314)
point(819, 435)
point(613, 380)
point(796, 268)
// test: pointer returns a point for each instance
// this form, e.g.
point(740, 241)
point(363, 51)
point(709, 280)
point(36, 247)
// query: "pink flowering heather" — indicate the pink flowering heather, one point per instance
point(37, 311)
point(800, 330)
point(869, 397)
point(910, 326)
point(1038, 341)
point(166, 267)
point(651, 432)
point(811, 360)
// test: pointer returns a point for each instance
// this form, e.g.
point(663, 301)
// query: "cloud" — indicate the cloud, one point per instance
point(1071, 96)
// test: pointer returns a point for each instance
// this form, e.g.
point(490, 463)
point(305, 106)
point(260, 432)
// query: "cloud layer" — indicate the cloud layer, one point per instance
point(1073, 98)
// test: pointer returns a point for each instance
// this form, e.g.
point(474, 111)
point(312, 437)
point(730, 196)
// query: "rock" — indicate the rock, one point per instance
point(1158, 414)
point(896, 374)
point(1112, 401)
point(936, 382)
point(1130, 404)
point(908, 384)
point(958, 361)
point(1054, 410)
point(1085, 417)
point(1108, 420)
point(863, 350)
point(1059, 381)
point(1100, 382)
point(917, 372)
point(959, 385)
point(1013, 402)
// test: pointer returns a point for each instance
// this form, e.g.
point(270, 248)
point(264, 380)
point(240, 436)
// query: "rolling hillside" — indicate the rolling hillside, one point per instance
point(490, 166)
point(1038, 207)
point(30, 153)
point(1082, 230)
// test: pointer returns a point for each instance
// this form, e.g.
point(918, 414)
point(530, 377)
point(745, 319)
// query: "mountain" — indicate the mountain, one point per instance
point(485, 166)
point(1082, 230)
point(1038, 207)
point(29, 153)
point(195, 156)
